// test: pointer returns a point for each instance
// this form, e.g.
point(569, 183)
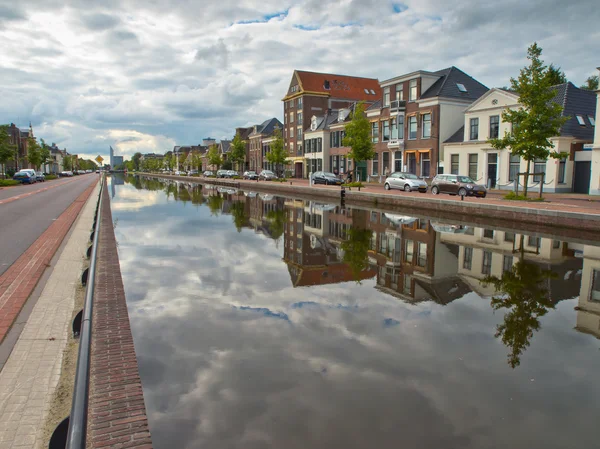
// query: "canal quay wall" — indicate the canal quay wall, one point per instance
point(542, 218)
point(117, 412)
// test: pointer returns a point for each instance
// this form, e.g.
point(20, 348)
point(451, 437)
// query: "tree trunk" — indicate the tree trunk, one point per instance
point(526, 179)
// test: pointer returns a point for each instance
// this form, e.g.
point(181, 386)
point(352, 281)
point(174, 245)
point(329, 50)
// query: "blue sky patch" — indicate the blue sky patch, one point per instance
point(399, 7)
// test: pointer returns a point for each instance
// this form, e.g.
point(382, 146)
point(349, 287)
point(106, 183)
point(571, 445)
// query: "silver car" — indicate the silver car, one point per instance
point(405, 181)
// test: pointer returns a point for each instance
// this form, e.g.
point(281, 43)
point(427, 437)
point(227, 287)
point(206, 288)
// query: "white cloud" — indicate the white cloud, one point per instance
point(178, 72)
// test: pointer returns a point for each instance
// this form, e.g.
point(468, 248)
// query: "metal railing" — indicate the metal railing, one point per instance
point(76, 436)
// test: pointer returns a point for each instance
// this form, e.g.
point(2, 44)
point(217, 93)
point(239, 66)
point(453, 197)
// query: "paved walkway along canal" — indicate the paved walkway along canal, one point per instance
point(270, 321)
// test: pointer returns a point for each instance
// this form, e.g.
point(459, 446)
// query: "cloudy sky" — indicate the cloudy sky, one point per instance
point(147, 75)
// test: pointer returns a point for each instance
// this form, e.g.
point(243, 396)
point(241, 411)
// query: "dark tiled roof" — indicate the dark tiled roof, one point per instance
point(340, 86)
point(575, 102)
point(458, 136)
point(324, 122)
point(375, 106)
point(225, 146)
point(447, 87)
point(267, 127)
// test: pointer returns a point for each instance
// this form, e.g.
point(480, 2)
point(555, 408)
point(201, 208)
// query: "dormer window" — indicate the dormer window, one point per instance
point(367, 91)
point(592, 120)
point(580, 120)
point(461, 87)
point(372, 92)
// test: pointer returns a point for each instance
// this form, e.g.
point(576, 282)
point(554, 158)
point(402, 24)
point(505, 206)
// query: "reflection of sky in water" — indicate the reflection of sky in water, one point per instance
point(232, 356)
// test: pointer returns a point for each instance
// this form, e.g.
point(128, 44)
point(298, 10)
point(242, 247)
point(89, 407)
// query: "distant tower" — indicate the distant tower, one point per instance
point(112, 155)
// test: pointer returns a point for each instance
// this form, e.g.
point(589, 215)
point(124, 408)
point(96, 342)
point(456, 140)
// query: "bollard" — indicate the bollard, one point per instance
point(462, 197)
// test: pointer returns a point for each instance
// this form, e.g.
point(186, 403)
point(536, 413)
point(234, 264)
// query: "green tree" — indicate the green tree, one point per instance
point(277, 156)
point(7, 151)
point(356, 250)
point(214, 158)
point(136, 161)
point(537, 120)
point(276, 223)
point(67, 162)
point(555, 75)
point(34, 156)
point(237, 153)
point(197, 161)
point(591, 83)
point(522, 291)
point(44, 154)
point(358, 137)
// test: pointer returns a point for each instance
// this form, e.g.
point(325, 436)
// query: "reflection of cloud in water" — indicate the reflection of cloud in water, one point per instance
point(342, 365)
point(134, 200)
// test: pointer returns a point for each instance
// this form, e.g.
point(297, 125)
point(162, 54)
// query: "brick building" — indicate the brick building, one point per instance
point(312, 93)
point(19, 138)
point(258, 140)
point(416, 113)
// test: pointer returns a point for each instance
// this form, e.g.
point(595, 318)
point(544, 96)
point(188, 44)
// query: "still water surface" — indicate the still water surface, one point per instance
point(267, 322)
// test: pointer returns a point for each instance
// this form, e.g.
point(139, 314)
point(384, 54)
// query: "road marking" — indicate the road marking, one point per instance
point(24, 195)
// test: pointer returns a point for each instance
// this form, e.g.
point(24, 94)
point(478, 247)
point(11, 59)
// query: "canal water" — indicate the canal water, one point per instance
point(268, 322)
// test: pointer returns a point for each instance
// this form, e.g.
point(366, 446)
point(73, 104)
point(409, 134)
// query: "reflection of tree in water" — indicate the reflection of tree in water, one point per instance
point(357, 244)
point(197, 195)
point(276, 219)
point(238, 213)
point(215, 204)
point(522, 291)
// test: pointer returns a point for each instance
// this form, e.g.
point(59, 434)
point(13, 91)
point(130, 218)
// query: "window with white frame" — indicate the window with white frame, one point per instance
point(468, 258)
point(426, 125)
point(299, 134)
point(486, 265)
point(494, 126)
point(507, 263)
point(291, 117)
point(299, 102)
point(375, 166)
point(412, 92)
point(454, 164)
point(375, 131)
point(514, 166)
point(539, 166)
point(474, 134)
point(386, 97)
point(412, 127)
point(562, 165)
point(421, 254)
point(400, 127)
point(386, 131)
point(299, 118)
point(394, 128)
point(291, 132)
point(400, 91)
point(473, 166)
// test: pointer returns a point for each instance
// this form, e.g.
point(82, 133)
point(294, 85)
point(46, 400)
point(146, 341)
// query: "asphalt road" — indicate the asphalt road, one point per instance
point(24, 219)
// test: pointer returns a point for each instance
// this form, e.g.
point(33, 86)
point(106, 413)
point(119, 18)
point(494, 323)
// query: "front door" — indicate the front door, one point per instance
point(298, 169)
point(582, 177)
point(398, 161)
point(492, 170)
point(361, 171)
point(412, 163)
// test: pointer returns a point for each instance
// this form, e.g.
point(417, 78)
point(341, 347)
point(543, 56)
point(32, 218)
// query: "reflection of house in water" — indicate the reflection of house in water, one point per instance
point(115, 180)
point(411, 262)
point(487, 252)
point(588, 314)
point(313, 233)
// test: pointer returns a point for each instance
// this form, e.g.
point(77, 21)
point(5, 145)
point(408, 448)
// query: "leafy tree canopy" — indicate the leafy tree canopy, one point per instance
point(358, 136)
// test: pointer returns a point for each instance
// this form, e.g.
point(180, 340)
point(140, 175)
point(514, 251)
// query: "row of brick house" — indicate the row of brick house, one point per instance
point(422, 122)
point(428, 123)
point(19, 138)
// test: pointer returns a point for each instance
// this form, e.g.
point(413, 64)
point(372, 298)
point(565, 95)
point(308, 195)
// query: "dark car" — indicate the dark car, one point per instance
point(457, 185)
point(267, 175)
point(250, 175)
point(327, 178)
point(25, 177)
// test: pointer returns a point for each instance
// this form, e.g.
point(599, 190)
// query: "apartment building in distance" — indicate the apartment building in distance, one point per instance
point(313, 93)
point(417, 112)
point(468, 152)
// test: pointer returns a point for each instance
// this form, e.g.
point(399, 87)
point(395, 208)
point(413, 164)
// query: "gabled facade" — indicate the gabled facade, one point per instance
point(313, 93)
point(468, 153)
point(19, 138)
point(245, 136)
point(258, 139)
point(417, 112)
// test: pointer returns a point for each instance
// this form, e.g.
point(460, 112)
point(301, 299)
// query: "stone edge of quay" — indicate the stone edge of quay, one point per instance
point(117, 414)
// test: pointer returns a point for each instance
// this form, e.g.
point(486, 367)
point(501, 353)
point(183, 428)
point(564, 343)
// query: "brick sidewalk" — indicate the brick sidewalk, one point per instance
point(17, 283)
point(117, 413)
point(31, 374)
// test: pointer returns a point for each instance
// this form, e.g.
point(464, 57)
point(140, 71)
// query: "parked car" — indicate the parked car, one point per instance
point(208, 173)
point(405, 181)
point(230, 174)
point(457, 185)
point(25, 176)
point(327, 178)
point(251, 174)
point(221, 173)
point(40, 177)
point(267, 175)
point(193, 173)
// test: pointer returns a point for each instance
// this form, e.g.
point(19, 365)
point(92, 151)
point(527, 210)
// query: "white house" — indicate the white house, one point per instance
point(595, 177)
point(467, 151)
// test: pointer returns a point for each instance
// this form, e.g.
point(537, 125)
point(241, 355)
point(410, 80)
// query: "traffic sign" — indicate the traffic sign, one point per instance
point(99, 159)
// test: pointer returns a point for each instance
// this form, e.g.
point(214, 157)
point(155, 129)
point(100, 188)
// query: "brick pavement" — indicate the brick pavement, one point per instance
point(117, 413)
point(32, 372)
point(17, 283)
